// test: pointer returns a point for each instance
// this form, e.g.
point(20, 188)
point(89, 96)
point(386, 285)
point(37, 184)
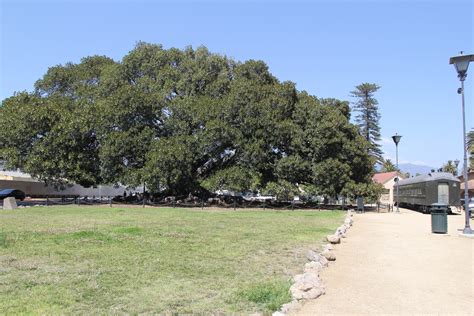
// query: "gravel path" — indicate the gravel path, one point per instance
point(392, 264)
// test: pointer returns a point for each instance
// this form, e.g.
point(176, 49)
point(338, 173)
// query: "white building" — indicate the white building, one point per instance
point(22, 181)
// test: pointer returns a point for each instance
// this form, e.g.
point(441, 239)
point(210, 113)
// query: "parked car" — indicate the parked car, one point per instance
point(470, 203)
point(17, 194)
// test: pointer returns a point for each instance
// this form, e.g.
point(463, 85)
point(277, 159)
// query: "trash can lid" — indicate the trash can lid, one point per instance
point(439, 207)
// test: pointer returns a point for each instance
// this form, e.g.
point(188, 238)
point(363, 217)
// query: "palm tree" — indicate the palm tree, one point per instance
point(388, 166)
point(450, 167)
point(470, 147)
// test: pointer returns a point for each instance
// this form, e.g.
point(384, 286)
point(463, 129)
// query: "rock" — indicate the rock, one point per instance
point(278, 314)
point(314, 256)
point(311, 253)
point(341, 229)
point(297, 295)
point(313, 267)
point(290, 307)
point(9, 203)
point(310, 294)
point(348, 221)
point(330, 256)
point(306, 281)
point(328, 247)
point(313, 293)
point(333, 239)
point(301, 287)
point(323, 261)
point(303, 283)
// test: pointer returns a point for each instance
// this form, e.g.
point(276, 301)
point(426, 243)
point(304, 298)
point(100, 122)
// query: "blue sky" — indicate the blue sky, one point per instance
point(325, 47)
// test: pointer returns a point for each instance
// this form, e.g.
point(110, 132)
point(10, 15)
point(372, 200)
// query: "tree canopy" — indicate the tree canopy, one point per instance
point(181, 121)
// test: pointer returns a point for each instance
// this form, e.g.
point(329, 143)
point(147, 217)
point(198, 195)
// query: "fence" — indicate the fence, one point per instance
point(186, 203)
point(387, 207)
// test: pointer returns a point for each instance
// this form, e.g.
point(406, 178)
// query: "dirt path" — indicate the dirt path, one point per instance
point(393, 264)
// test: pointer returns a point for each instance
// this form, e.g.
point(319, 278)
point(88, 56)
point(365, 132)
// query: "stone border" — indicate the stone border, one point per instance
point(308, 285)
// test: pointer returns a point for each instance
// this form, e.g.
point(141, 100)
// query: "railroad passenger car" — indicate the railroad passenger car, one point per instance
point(420, 192)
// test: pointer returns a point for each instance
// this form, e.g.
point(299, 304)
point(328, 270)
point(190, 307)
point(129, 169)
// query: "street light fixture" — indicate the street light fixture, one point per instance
point(396, 139)
point(461, 63)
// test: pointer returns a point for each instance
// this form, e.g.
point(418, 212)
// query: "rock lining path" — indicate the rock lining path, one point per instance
point(392, 264)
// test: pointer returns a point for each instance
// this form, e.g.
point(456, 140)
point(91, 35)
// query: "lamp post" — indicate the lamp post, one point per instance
point(461, 63)
point(396, 139)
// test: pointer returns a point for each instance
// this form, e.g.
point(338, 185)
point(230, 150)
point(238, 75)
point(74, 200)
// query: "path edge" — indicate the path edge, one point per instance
point(308, 285)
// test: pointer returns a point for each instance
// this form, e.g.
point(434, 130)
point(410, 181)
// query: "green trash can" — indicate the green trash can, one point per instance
point(439, 218)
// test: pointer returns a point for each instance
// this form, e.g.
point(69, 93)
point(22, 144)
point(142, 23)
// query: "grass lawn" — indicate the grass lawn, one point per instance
point(100, 260)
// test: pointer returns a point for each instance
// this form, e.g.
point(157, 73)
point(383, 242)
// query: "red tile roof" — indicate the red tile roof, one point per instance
point(384, 176)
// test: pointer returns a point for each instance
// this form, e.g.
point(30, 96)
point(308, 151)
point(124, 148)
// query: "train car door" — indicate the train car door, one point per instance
point(443, 193)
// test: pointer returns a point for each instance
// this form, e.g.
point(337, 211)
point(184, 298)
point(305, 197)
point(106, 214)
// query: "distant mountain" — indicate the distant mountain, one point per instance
point(414, 169)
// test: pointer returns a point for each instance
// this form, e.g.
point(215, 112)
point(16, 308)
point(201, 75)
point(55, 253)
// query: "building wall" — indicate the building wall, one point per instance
point(16, 179)
point(39, 189)
point(470, 184)
point(390, 185)
point(385, 197)
point(389, 196)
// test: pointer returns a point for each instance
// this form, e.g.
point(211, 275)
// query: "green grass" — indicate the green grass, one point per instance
point(100, 260)
point(268, 295)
